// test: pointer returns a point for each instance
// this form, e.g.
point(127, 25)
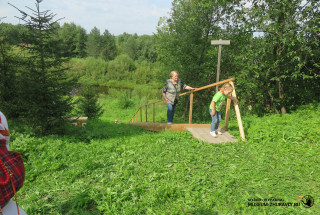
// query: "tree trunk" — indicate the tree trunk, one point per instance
point(281, 96)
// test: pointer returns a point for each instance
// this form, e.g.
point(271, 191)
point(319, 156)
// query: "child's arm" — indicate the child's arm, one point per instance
point(234, 99)
point(213, 108)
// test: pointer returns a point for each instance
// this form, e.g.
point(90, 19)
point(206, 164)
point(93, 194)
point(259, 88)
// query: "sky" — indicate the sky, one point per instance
point(117, 16)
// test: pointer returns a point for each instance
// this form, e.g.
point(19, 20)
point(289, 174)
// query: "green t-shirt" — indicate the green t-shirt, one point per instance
point(219, 98)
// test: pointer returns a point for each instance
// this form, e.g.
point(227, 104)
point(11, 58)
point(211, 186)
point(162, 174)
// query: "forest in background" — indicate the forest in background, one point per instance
point(273, 56)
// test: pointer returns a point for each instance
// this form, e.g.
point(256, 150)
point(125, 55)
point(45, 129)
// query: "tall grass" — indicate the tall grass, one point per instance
point(107, 168)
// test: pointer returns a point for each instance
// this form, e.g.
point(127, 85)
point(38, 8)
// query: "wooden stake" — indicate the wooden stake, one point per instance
point(141, 113)
point(226, 121)
point(146, 113)
point(154, 119)
point(190, 111)
point(237, 110)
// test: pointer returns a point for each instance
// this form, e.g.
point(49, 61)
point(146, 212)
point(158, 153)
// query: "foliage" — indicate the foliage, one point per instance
point(88, 103)
point(121, 68)
point(10, 92)
point(94, 43)
point(107, 168)
point(87, 70)
point(14, 33)
point(286, 25)
point(109, 49)
point(270, 70)
point(74, 40)
point(44, 83)
point(140, 48)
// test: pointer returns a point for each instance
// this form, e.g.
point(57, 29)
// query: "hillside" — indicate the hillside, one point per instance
point(119, 169)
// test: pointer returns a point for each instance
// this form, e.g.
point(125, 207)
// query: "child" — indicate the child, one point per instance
point(216, 105)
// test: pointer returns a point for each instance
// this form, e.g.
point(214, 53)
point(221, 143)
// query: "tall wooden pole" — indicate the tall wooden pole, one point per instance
point(146, 113)
point(219, 42)
point(191, 105)
point(218, 66)
point(237, 110)
point(154, 114)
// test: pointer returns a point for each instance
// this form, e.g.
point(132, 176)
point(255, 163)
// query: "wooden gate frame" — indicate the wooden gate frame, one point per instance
point(227, 115)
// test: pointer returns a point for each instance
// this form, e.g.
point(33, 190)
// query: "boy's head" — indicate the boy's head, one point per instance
point(227, 89)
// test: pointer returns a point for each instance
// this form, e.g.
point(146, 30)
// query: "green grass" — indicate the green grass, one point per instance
point(120, 169)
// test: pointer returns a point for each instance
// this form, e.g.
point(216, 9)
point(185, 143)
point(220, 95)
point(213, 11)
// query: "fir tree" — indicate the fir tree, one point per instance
point(45, 85)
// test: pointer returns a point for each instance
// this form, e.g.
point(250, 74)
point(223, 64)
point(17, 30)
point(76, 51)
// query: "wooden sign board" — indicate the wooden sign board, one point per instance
point(220, 42)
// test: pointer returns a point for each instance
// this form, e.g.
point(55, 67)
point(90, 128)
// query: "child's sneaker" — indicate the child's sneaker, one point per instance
point(213, 133)
point(219, 132)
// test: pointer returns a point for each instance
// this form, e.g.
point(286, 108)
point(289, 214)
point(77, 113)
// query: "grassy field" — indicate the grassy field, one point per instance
point(120, 169)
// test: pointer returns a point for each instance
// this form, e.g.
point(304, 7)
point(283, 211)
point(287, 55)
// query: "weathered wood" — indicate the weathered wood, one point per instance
point(140, 113)
point(220, 42)
point(134, 114)
point(226, 121)
point(237, 110)
point(191, 105)
point(204, 135)
point(153, 106)
point(218, 66)
point(164, 126)
point(208, 86)
point(146, 113)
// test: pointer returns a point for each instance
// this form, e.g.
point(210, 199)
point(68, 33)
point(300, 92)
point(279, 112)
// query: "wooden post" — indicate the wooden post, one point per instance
point(140, 113)
point(190, 111)
point(154, 119)
point(218, 66)
point(226, 121)
point(136, 117)
point(146, 113)
point(219, 42)
point(237, 110)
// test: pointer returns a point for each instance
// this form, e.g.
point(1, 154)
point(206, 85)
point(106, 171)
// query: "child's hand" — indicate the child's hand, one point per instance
point(213, 112)
point(235, 100)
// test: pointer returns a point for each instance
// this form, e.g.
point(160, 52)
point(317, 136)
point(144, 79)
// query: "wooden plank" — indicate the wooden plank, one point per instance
point(204, 135)
point(191, 105)
point(237, 110)
point(220, 42)
point(208, 86)
point(164, 126)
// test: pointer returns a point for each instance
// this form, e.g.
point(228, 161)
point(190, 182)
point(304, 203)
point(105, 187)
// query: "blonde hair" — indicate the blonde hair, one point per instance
point(227, 86)
point(173, 72)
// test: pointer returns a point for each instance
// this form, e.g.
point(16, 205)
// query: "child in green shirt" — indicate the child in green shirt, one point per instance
point(216, 105)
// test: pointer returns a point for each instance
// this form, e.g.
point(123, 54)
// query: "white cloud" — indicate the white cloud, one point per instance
point(118, 16)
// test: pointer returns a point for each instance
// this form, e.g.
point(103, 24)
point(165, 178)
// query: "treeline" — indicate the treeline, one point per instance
point(75, 42)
